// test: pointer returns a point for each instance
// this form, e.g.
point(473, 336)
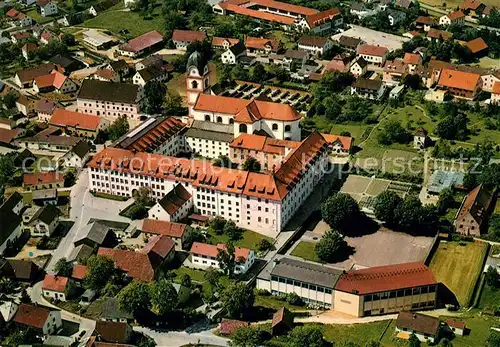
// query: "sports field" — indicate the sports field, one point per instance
point(458, 266)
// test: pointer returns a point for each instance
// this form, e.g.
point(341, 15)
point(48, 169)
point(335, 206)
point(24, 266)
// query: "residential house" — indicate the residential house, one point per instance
point(43, 180)
point(122, 68)
point(24, 78)
point(19, 37)
point(54, 82)
point(412, 60)
point(315, 45)
point(174, 206)
point(338, 63)
point(80, 253)
point(256, 45)
point(229, 326)
point(204, 255)
point(223, 42)
point(10, 215)
point(54, 287)
point(45, 320)
point(18, 18)
point(20, 270)
point(294, 59)
point(282, 321)
point(477, 47)
point(8, 137)
point(455, 17)
point(43, 222)
point(473, 213)
point(394, 71)
point(110, 99)
point(46, 7)
point(106, 75)
point(359, 10)
point(232, 54)
point(339, 145)
point(66, 64)
point(426, 75)
point(140, 45)
point(350, 43)
point(28, 50)
point(182, 38)
point(47, 37)
point(76, 157)
point(321, 23)
point(49, 140)
point(44, 109)
point(358, 67)
point(424, 23)
point(175, 231)
point(368, 88)
point(152, 74)
point(374, 55)
point(155, 60)
point(102, 6)
point(395, 17)
point(113, 332)
point(95, 234)
point(460, 84)
point(111, 312)
point(474, 8)
point(425, 328)
point(79, 272)
point(44, 197)
point(436, 35)
point(456, 327)
point(495, 93)
point(406, 4)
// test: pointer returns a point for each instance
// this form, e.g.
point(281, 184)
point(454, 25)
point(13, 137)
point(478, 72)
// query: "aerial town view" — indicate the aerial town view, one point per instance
point(282, 173)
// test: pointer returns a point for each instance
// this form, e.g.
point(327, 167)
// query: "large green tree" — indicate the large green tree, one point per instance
point(339, 211)
point(385, 205)
point(63, 267)
point(163, 297)
point(306, 335)
point(237, 298)
point(100, 271)
point(226, 259)
point(251, 164)
point(119, 128)
point(331, 246)
point(154, 97)
point(247, 337)
point(135, 297)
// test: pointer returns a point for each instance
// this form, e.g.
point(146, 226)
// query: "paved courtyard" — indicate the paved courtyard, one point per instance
point(373, 37)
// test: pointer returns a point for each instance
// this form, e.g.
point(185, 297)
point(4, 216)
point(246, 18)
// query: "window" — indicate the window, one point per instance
point(231, 121)
point(243, 128)
point(194, 85)
point(207, 118)
point(219, 119)
point(288, 128)
point(275, 126)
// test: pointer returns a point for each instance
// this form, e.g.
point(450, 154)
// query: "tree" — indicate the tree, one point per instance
point(68, 39)
point(173, 20)
point(226, 259)
point(236, 299)
point(135, 297)
point(413, 341)
point(258, 73)
point(453, 127)
point(339, 211)
point(446, 200)
point(63, 268)
point(212, 276)
point(119, 128)
point(222, 161)
point(154, 97)
point(172, 105)
point(163, 297)
point(372, 343)
point(193, 235)
point(306, 335)
point(186, 281)
point(232, 231)
point(492, 277)
point(493, 339)
point(251, 164)
point(100, 270)
point(409, 212)
point(385, 205)
point(393, 132)
point(247, 336)
point(69, 179)
point(217, 224)
point(9, 99)
point(413, 81)
point(330, 246)
point(264, 245)
point(142, 196)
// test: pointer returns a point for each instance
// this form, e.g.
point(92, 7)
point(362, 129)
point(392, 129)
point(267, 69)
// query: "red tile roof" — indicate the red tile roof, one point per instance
point(150, 139)
point(55, 283)
point(219, 41)
point(496, 88)
point(261, 43)
point(412, 58)
point(79, 271)
point(455, 15)
point(458, 79)
point(38, 178)
point(425, 20)
point(21, 35)
point(143, 42)
point(188, 35)
point(34, 316)
point(477, 45)
point(455, 323)
point(283, 315)
point(476, 204)
point(436, 34)
point(385, 278)
point(261, 15)
point(283, 6)
point(246, 111)
point(12, 13)
point(208, 250)
point(160, 227)
point(315, 41)
point(159, 244)
point(7, 135)
point(175, 199)
point(322, 17)
point(345, 141)
point(263, 144)
point(470, 4)
point(54, 79)
point(229, 326)
point(66, 118)
point(135, 264)
point(378, 51)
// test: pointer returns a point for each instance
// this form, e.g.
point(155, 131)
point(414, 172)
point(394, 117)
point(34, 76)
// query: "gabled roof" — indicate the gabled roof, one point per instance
point(384, 278)
point(436, 34)
point(344, 141)
point(261, 43)
point(315, 41)
point(476, 204)
point(54, 79)
point(282, 316)
point(47, 214)
point(136, 264)
point(38, 178)
point(199, 248)
point(396, 66)
point(160, 245)
point(417, 322)
point(377, 51)
point(34, 316)
point(95, 232)
point(55, 283)
point(455, 323)
point(119, 65)
point(458, 79)
point(350, 42)
point(112, 331)
point(161, 227)
point(263, 144)
point(66, 118)
point(315, 19)
point(471, 4)
point(366, 83)
point(455, 15)
point(29, 74)
point(238, 48)
point(143, 42)
point(79, 272)
point(188, 35)
point(496, 88)
point(219, 41)
point(425, 20)
point(175, 199)
point(108, 91)
point(21, 270)
point(477, 45)
point(412, 58)
point(81, 149)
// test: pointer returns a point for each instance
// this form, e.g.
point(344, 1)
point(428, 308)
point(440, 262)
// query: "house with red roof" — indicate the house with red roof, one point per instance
point(259, 45)
point(495, 93)
point(385, 289)
point(223, 42)
point(19, 18)
point(20, 37)
point(473, 213)
point(46, 320)
point(79, 272)
point(77, 124)
point(54, 82)
point(174, 231)
point(182, 38)
point(461, 84)
point(321, 23)
point(374, 55)
point(174, 206)
point(424, 23)
point(474, 8)
point(43, 180)
point(339, 145)
point(412, 60)
point(54, 287)
point(455, 17)
point(478, 46)
point(142, 44)
point(204, 255)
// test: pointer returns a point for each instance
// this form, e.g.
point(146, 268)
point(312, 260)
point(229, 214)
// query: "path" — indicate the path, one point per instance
point(376, 126)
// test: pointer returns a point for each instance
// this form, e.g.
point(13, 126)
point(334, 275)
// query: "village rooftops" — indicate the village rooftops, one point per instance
point(263, 144)
point(455, 15)
point(38, 178)
point(412, 58)
point(219, 41)
point(477, 45)
point(377, 51)
point(189, 35)
point(136, 264)
point(345, 141)
point(29, 74)
point(65, 118)
point(55, 283)
point(365, 83)
point(143, 42)
point(314, 41)
point(261, 43)
point(438, 34)
point(418, 323)
point(174, 199)
point(425, 20)
point(386, 278)
point(199, 248)
point(108, 91)
point(33, 316)
point(161, 227)
point(315, 19)
point(458, 79)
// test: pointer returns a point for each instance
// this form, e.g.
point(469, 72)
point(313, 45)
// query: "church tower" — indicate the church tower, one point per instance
point(197, 79)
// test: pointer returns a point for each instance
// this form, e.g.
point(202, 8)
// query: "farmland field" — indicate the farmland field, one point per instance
point(459, 267)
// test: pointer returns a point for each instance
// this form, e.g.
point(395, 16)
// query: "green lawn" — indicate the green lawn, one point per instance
point(459, 267)
point(119, 20)
point(196, 275)
point(250, 239)
point(490, 297)
point(305, 250)
point(38, 18)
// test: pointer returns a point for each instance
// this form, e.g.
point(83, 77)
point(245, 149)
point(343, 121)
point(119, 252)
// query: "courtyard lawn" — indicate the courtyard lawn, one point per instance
point(196, 275)
point(357, 333)
point(119, 20)
point(250, 239)
point(458, 266)
point(305, 250)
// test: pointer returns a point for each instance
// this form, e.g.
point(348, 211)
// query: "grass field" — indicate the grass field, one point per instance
point(490, 297)
point(455, 3)
point(305, 250)
point(250, 239)
point(119, 20)
point(38, 18)
point(459, 267)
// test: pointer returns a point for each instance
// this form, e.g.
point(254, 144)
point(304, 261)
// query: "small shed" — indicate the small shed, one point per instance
point(87, 296)
point(282, 321)
point(457, 327)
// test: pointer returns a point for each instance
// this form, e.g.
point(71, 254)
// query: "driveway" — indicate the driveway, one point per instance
point(180, 338)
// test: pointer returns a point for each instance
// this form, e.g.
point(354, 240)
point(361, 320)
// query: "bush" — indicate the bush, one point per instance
point(294, 299)
point(264, 245)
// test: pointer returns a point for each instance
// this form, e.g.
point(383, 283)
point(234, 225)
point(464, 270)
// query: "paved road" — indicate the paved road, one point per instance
point(179, 338)
point(85, 324)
